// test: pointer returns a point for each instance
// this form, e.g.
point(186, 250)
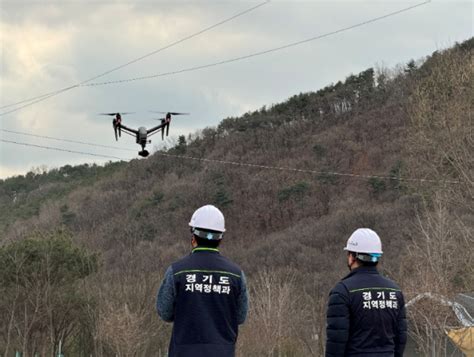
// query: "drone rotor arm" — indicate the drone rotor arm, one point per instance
point(127, 129)
point(155, 129)
point(126, 132)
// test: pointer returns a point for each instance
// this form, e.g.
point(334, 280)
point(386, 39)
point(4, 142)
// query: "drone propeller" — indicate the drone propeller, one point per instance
point(172, 113)
point(113, 114)
point(179, 113)
point(158, 118)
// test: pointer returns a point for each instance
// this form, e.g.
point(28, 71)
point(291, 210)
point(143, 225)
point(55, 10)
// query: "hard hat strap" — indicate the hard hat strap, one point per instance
point(365, 257)
point(201, 233)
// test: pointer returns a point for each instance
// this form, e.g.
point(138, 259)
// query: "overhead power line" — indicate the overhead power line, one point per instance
point(64, 150)
point(240, 58)
point(308, 171)
point(42, 97)
point(258, 166)
point(65, 140)
point(84, 84)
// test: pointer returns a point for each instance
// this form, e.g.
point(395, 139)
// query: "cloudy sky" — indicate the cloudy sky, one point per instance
point(49, 45)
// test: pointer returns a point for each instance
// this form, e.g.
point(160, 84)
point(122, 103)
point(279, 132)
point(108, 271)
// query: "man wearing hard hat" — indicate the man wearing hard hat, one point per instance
point(204, 294)
point(366, 311)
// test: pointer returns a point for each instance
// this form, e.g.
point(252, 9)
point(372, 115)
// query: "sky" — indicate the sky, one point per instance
point(49, 45)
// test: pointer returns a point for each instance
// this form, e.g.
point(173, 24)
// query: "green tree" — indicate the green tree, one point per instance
point(42, 302)
point(296, 192)
point(181, 147)
point(222, 197)
point(378, 185)
point(411, 67)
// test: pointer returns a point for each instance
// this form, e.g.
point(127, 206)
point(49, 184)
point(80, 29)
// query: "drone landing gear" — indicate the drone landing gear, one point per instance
point(143, 153)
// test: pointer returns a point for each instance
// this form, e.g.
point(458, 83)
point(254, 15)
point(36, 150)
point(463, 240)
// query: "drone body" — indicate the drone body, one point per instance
point(142, 140)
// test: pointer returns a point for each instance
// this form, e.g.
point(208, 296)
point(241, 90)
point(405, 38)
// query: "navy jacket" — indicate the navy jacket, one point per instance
point(366, 316)
point(205, 296)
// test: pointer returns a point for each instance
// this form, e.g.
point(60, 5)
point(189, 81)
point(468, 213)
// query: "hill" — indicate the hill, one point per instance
point(358, 144)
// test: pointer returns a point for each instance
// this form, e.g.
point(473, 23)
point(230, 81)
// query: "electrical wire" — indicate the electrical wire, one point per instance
point(64, 150)
point(293, 44)
point(258, 166)
point(65, 140)
point(319, 173)
point(45, 96)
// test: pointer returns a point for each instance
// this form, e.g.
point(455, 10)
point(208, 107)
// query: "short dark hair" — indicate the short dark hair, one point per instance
point(363, 262)
point(206, 243)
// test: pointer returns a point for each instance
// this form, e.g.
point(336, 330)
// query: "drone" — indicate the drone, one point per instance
point(141, 134)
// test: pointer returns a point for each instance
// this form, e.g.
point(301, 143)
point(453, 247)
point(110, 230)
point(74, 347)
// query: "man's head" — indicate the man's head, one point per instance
point(207, 226)
point(364, 248)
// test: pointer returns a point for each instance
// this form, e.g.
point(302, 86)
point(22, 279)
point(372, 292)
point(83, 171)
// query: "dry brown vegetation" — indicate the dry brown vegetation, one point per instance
point(285, 229)
point(441, 144)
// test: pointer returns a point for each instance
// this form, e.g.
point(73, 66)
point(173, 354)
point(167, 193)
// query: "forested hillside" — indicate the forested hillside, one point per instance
point(84, 248)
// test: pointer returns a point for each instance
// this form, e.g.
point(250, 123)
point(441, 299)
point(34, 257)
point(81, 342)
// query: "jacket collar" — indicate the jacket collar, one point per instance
point(205, 249)
point(362, 270)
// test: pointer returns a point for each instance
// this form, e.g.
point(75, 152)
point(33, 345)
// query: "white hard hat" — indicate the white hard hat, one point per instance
point(364, 240)
point(208, 218)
